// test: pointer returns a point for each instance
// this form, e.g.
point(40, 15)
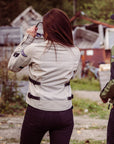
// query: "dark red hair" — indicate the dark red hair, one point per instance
point(57, 27)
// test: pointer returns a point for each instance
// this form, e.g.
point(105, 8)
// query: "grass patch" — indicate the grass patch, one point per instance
point(96, 127)
point(10, 140)
point(80, 142)
point(91, 108)
point(85, 84)
point(87, 142)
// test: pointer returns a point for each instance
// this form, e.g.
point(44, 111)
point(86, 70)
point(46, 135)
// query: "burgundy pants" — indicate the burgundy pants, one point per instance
point(38, 122)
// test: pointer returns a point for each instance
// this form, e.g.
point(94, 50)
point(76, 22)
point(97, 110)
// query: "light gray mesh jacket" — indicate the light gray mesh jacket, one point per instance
point(49, 73)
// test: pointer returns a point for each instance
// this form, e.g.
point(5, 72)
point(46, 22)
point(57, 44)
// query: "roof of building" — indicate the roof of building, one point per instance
point(85, 38)
point(27, 18)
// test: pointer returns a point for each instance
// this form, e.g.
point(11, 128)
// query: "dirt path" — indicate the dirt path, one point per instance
point(84, 128)
point(89, 128)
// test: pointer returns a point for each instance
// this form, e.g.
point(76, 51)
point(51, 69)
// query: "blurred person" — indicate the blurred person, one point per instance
point(52, 64)
point(107, 95)
point(110, 127)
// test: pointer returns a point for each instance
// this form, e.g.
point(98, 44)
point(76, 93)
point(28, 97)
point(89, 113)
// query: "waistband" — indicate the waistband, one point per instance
point(50, 105)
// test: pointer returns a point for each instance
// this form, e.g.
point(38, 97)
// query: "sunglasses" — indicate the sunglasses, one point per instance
point(39, 25)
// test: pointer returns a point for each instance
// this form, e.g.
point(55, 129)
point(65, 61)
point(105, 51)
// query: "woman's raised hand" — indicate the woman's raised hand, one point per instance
point(32, 31)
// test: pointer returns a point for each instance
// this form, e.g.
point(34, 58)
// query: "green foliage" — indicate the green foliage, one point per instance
point(98, 10)
point(13, 108)
point(11, 9)
point(85, 84)
point(88, 107)
point(11, 101)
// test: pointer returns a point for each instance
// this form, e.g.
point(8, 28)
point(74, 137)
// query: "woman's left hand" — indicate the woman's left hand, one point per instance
point(32, 31)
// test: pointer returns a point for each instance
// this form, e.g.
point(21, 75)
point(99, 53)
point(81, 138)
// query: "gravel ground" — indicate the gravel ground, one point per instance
point(85, 127)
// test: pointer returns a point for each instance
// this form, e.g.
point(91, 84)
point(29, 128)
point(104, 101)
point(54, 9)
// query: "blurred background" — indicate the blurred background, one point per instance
point(98, 10)
point(93, 34)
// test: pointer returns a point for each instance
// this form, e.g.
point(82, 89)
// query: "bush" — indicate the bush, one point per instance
point(11, 101)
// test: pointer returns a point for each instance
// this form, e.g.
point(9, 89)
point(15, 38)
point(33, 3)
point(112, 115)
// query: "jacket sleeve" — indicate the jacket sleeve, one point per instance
point(19, 59)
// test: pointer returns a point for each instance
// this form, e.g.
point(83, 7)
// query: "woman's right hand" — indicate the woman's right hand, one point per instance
point(32, 31)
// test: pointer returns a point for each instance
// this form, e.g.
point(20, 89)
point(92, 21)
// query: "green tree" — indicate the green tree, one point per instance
point(10, 9)
point(11, 100)
point(98, 10)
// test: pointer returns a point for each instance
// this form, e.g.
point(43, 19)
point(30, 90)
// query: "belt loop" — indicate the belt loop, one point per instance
point(68, 83)
point(71, 97)
point(33, 97)
point(34, 82)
